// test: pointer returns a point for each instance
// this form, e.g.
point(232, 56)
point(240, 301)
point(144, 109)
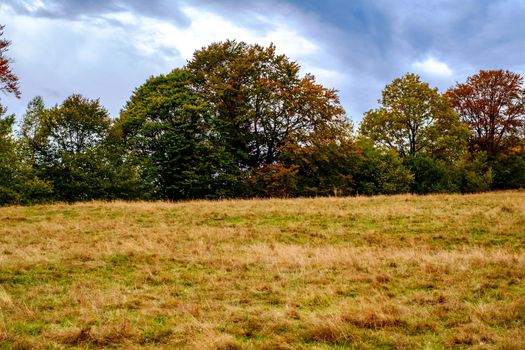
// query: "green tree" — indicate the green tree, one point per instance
point(29, 127)
point(414, 119)
point(509, 171)
point(18, 182)
point(170, 129)
point(259, 100)
point(326, 166)
point(381, 171)
point(77, 125)
point(7, 157)
point(477, 174)
point(30, 123)
point(68, 147)
point(433, 175)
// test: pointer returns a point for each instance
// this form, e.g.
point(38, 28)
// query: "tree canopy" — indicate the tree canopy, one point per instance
point(8, 80)
point(70, 147)
point(414, 119)
point(240, 120)
point(259, 100)
point(492, 104)
point(171, 129)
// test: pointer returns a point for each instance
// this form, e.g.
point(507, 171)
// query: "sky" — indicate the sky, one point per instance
point(106, 48)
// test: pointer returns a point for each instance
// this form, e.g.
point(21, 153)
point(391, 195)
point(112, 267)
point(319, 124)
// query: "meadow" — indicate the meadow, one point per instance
point(387, 272)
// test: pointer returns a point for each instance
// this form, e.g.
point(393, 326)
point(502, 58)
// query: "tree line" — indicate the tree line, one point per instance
point(239, 120)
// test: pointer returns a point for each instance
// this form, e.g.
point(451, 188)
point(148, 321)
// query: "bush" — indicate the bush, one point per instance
point(509, 171)
point(476, 175)
point(381, 173)
point(432, 175)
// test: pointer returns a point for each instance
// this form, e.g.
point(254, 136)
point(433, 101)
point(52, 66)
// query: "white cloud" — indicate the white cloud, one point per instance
point(108, 55)
point(152, 34)
point(433, 67)
point(33, 6)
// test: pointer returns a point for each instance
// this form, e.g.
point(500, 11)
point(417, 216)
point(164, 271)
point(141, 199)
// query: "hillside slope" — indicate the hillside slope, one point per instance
point(381, 272)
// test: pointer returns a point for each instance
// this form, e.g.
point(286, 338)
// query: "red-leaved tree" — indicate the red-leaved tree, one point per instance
point(492, 103)
point(8, 81)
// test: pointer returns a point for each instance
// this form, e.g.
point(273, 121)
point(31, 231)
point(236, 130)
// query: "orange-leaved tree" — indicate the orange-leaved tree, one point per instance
point(8, 80)
point(492, 103)
point(260, 102)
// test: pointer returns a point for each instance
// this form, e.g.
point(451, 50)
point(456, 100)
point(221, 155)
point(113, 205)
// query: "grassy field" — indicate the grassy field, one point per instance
point(422, 272)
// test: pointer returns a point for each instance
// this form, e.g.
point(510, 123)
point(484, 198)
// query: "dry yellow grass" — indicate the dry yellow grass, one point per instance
point(422, 272)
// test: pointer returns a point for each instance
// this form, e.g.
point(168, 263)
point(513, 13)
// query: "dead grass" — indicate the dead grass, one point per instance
point(432, 272)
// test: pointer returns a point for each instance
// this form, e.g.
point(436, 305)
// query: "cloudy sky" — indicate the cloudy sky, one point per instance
point(105, 48)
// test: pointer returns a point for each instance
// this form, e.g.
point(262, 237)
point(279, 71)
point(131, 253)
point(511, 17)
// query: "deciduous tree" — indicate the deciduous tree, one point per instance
point(171, 129)
point(8, 80)
point(415, 119)
point(260, 101)
point(492, 103)
point(18, 181)
point(69, 147)
point(78, 124)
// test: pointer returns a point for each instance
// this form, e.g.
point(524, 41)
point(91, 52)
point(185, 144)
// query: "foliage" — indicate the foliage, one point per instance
point(7, 194)
point(433, 175)
point(414, 119)
point(18, 182)
point(272, 180)
point(344, 167)
point(77, 125)
point(8, 80)
point(67, 145)
point(259, 100)
point(171, 130)
point(509, 171)
point(325, 169)
point(492, 103)
point(477, 175)
point(239, 121)
point(382, 172)
point(31, 120)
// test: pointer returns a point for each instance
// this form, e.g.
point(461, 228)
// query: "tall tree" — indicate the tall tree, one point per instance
point(170, 129)
point(8, 80)
point(18, 181)
point(70, 148)
point(415, 119)
point(66, 146)
point(7, 157)
point(259, 100)
point(78, 124)
point(30, 126)
point(492, 103)
point(33, 116)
